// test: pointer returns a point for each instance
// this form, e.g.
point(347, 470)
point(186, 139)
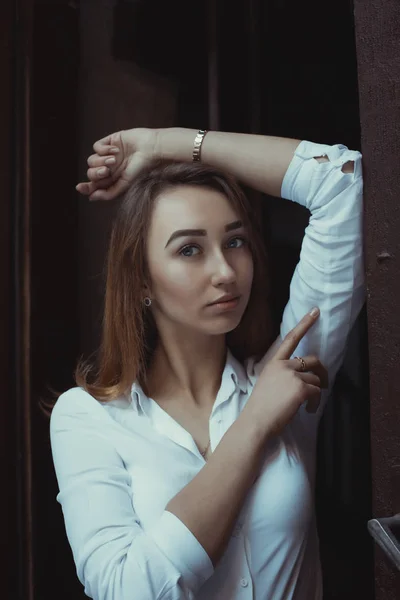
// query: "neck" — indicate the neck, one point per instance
point(187, 368)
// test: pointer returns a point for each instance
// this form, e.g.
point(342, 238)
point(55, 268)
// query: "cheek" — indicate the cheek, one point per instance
point(175, 282)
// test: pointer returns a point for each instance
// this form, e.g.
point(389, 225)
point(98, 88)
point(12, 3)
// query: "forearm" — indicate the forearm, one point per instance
point(258, 161)
point(210, 503)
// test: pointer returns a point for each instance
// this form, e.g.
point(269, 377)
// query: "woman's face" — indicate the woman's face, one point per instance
point(198, 254)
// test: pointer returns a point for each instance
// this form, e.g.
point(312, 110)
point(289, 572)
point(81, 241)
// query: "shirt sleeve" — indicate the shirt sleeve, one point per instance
point(330, 272)
point(114, 557)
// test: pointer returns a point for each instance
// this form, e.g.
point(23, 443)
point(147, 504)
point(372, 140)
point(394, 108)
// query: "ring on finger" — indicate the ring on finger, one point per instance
point(303, 363)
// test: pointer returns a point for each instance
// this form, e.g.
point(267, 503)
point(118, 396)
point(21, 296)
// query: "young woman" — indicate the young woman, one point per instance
point(186, 455)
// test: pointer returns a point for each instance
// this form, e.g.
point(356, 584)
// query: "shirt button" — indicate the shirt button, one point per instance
point(219, 420)
point(244, 582)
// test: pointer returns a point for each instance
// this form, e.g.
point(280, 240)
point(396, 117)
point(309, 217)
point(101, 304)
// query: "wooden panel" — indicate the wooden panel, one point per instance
point(8, 513)
point(378, 52)
point(21, 197)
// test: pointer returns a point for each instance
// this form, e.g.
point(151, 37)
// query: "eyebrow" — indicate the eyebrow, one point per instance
point(197, 232)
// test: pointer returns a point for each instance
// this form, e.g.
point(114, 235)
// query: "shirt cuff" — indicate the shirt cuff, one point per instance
point(338, 155)
point(304, 151)
point(183, 549)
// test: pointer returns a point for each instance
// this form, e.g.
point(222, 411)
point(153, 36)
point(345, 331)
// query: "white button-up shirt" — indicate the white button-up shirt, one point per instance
point(118, 464)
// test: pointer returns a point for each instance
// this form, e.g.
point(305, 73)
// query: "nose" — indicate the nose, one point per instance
point(223, 273)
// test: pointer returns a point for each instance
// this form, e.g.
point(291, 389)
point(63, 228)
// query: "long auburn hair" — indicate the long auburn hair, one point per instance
point(129, 334)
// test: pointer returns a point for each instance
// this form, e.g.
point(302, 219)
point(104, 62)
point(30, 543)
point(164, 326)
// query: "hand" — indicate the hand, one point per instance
point(118, 159)
point(282, 387)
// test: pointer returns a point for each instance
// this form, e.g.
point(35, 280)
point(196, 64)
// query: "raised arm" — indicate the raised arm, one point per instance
point(258, 161)
point(330, 272)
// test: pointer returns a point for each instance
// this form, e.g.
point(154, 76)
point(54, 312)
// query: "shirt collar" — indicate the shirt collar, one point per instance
point(236, 370)
point(233, 371)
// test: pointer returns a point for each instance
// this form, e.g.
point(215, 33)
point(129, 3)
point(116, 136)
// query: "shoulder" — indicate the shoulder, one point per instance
point(73, 399)
point(76, 404)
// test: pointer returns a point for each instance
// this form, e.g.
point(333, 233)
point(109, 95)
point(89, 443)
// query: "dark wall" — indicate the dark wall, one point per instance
point(7, 422)
point(54, 270)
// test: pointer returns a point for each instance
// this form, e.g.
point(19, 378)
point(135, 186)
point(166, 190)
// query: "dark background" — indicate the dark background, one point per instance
point(278, 68)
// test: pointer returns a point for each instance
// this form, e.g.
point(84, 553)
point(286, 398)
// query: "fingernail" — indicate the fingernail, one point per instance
point(315, 311)
point(114, 150)
point(101, 171)
point(109, 161)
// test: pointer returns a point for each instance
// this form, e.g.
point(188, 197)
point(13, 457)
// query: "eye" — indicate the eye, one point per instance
point(236, 242)
point(189, 250)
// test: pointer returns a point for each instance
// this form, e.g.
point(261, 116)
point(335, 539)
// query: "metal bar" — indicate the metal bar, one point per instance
point(381, 531)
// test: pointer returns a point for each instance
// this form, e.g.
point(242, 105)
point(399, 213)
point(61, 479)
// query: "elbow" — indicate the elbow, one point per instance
point(128, 575)
point(113, 579)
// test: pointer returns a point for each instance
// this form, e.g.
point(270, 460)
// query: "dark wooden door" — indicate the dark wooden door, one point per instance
point(378, 51)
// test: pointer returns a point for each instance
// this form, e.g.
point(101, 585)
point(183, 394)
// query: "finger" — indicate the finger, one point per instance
point(94, 174)
point(292, 339)
point(312, 364)
point(110, 193)
point(85, 188)
point(95, 160)
point(313, 400)
point(88, 187)
point(104, 146)
point(310, 378)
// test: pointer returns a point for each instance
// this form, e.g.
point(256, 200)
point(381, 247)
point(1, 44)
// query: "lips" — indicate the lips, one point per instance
point(226, 298)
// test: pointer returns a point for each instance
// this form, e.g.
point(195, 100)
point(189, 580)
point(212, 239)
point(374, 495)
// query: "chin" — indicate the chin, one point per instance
point(224, 325)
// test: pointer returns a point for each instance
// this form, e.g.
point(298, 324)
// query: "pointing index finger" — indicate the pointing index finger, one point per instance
point(293, 338)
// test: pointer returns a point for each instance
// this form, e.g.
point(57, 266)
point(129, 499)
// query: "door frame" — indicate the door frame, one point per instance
point(378, 48)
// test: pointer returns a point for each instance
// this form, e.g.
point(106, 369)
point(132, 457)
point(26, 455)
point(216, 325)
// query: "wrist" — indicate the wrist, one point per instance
point(143, 140)
point(175, 143)
point(255, 430)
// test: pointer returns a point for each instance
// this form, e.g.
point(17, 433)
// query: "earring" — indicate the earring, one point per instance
point(147, 301)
